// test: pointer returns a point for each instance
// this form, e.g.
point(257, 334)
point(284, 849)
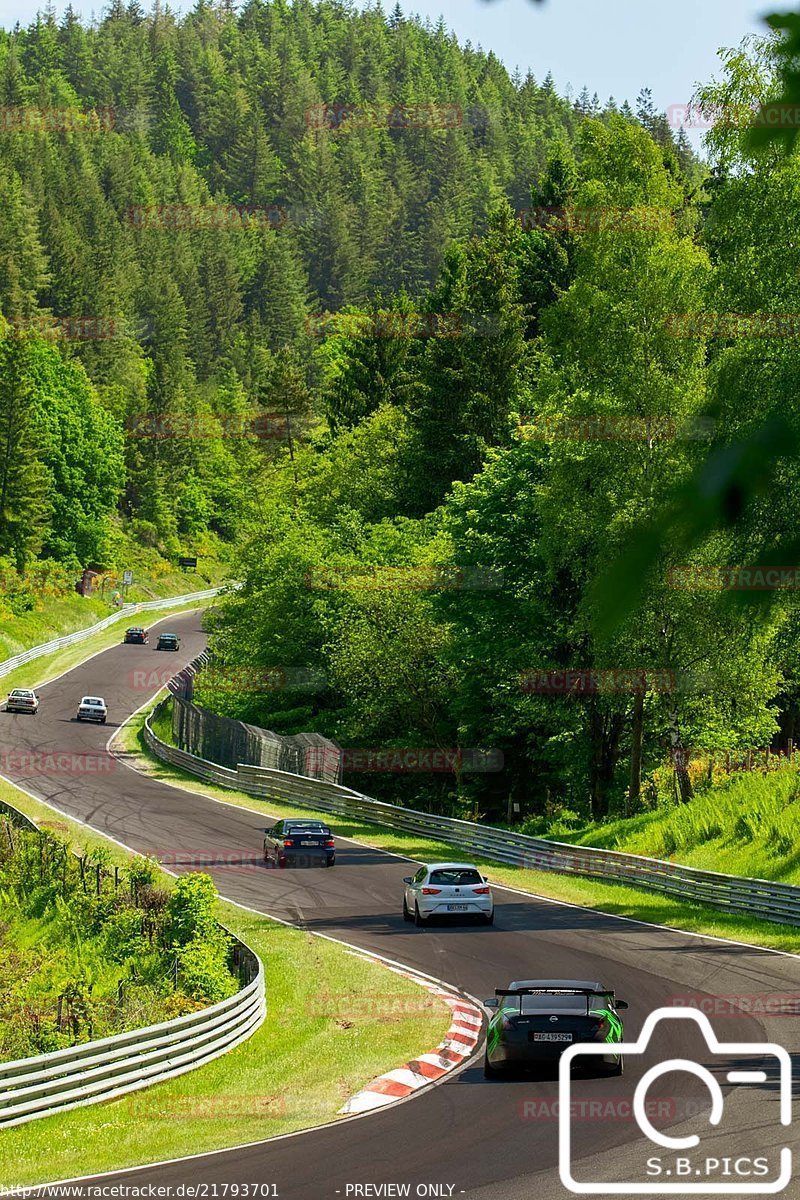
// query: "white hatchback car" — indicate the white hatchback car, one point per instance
point(447, 890)
point(92, 708)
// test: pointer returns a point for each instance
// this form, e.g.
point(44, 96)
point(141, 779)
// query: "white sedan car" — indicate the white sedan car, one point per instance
point(22, 700)
point(447, 890)
point(92, 708)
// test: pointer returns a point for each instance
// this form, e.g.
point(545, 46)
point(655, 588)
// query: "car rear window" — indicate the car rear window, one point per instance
point(554, 1003)
point(452, 876)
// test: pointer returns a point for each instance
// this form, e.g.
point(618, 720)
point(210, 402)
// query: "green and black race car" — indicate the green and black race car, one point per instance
point(537, 1019)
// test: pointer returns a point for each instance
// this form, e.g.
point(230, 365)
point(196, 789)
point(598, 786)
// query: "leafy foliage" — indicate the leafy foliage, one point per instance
point(186, 187)
point(87, 951)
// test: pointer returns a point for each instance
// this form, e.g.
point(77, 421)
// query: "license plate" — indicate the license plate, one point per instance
point(552, 1037)
point(309, 843)
point(457, 907)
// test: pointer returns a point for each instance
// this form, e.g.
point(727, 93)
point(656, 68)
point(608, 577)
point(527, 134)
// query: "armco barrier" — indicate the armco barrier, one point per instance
point(71, 639)
point(11, 814)
point(778, 902)
point(102, 1070)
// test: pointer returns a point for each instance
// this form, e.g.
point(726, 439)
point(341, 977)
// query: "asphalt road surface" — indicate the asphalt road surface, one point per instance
point(488, 1140)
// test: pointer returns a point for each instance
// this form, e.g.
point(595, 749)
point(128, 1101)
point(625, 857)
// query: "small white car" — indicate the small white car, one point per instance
point(447, 890)
point(92, 708)
point(22, 700)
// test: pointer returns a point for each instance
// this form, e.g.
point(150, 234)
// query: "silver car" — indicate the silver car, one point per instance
point(22, 700)
point(447, 890)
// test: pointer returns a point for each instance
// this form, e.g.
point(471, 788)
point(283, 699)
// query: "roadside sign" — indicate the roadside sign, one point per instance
point(127, 578)
point(187, 562)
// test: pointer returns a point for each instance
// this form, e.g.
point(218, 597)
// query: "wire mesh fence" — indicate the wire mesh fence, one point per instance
point(229, 742)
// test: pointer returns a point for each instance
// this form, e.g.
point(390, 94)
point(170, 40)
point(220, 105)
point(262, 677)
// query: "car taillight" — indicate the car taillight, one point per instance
point(603, 1026)
point(330, 842)
point(431, 891)
point(481, 891)
point(288, 842)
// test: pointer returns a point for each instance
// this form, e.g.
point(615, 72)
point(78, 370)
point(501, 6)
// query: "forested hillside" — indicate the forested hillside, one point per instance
point(412, 332)
point(442, 553)
point(180, 197)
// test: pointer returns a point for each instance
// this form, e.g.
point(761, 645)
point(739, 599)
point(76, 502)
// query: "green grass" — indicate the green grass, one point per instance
point(587, 893)
point(161, 724)
point(42, 670)
point(153, 578)
point(744, 824)
point(335, 1020)
point(38, 954)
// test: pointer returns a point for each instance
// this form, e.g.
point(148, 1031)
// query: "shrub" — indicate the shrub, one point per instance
point(191, 908)
point(203, 971)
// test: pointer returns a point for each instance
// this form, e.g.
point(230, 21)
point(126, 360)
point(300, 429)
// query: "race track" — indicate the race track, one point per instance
point(476, 1136)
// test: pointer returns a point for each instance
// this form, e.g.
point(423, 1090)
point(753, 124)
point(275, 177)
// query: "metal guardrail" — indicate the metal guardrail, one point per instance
point(31, 1088)
point(71, 639)
point(779, 902)
point(9, 813)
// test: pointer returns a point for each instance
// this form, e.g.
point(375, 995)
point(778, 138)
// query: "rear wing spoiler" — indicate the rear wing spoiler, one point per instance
point(553, 991)
point(520, 993)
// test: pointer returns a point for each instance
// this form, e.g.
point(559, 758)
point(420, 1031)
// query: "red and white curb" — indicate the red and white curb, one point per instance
point(459, 1044)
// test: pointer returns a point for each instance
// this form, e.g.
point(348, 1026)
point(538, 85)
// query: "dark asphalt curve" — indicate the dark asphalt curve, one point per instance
point(488, 1140)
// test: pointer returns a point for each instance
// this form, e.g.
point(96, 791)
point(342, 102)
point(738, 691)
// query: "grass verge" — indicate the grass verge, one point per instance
point(742, 824)
point(41, 670)
point(586, 893)
point(154, 577)
point(335, 1020)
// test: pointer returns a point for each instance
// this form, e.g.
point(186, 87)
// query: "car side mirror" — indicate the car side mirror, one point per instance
point(484, 878)
point(408, 879)
point(493, 1003)
point(622, 1005)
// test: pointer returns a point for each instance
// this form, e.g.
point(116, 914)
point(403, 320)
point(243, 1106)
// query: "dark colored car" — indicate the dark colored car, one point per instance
point(168, 641)
point(136, 636)
point(295, 842)
point(537, 1019)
